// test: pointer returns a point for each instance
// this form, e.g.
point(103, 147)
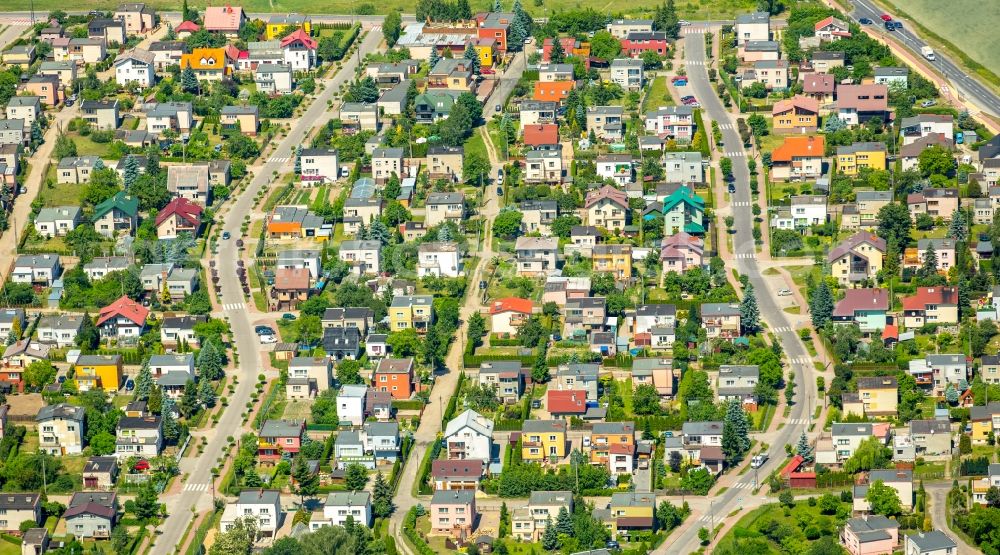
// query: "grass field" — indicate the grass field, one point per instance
point(970, 25)
point(688, 9)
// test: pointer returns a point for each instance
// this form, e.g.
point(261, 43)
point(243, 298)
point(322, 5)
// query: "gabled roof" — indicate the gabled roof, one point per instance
point(553, 90)
point(864, 98)
point(120, 201)
point(823, 83)
point(457, 468)
point(183, 209)
point(187, 27)
point(124, 307)
point(541, 134)
point(224, 18)
point(940, 296)
point(567, 401)
point(301, 36)
point(810, 146)
point(470, 419)
point(862, 299)
point(511, 304)
point(852, 242)
point(797, 101)
point(607, 192)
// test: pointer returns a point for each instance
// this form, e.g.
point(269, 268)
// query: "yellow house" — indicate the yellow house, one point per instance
point(411, 311)
point(799, 114)
point(99, 372)
point(985, 420)
point(878, 395)
point(851, 159)
point(487, 49)
point(543, 439)
point(632, 511)
point(280, 25)
point(616, 259)
point(208, 64)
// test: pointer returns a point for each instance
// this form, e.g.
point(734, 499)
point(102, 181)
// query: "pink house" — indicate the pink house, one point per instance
point(875, 535)
point(279, 436)
point(453, 513)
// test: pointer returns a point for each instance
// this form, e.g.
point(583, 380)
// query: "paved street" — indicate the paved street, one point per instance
point(746, 263)
point(250, 362)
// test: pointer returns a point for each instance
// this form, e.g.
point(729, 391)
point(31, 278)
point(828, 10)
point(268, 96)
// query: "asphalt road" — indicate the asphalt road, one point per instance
point(195, 493)
point(746, 263)
point(975, 91)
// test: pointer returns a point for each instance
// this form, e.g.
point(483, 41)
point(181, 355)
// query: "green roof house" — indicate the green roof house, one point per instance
point(116, 214)
point(682, 210)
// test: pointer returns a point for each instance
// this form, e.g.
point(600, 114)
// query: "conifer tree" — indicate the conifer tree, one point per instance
point(382, 505)
point(171, 431)
point(131, 172)
point(821, 305)
point(550, 539)
point(143, 382)
point(557, 55)
point(306, 481)
point(749, 313)
point(803, 449)
point(959, 228)
point(206, 395)
point(564, 523)
point(472, 55)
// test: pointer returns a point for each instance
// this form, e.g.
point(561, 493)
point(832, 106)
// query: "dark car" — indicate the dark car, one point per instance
point(129, 385)
point(226, 235)
point(898, 25)
point(263, 330)
point(865, 21)
point(499, 191)
point(732, 188)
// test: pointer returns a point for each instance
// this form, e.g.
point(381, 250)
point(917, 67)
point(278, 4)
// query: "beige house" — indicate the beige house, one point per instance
point(607, 208)
point(65, 72)
point(16, 508)
point(537, 216)
point(857, 258)
point(721, 320)
point(536, 256)
point(453, 513)
point(385, 162)
point(138, 17)
point(75, 169)
point(445, 162)
point(359, 116)
point(444, 207)
point(102, 114)
point(87, 51)
point(529, 523)
point(360, 211)
point(24, 108)
point(245, 119)
point(543, 166)
point(60, 430)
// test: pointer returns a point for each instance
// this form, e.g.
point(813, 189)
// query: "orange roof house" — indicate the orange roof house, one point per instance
point(553, 91)
point(206, 62)
point(509, 313)
point(799, 157)
point(799, 114)
point(225, 19)
point(541, 134)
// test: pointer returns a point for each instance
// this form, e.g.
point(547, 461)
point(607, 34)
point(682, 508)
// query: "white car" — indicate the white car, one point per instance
point(784, 292)
point(758, 461)
point(267, 339)
point(684, 23)
point(586, 441)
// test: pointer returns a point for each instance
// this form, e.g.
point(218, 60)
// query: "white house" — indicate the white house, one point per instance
point(351, 404)
point(136, 66)
point(618, 167)
point(671, 121)
point(273, 78)
point(920, 126)
point(319, 165)
point(934, 542)
point(264, 505)
point(469, 436)
point(439, 259)
point(59, 220)
point(362, 255)
point(40, 269)
point(342, 504)
point(163, 364)
point(649, 316)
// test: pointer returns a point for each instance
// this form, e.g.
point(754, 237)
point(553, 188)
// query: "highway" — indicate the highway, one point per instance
point(971, 88)
point(746, 263)
point(195, 493)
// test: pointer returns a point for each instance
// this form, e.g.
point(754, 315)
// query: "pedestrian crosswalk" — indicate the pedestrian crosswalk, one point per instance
point(800, 360)
point(781, 329)
point(196, 487)
point(746, 255)
point(741, 203)
point(797, 421)
point(279, 159)
point(376, 28)
point(727, 126)
point(234, 306)
point(695, 30)
point(734, 154)
point(743, 485)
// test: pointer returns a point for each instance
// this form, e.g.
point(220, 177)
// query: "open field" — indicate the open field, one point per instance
point(969, 25)
point(689, 9)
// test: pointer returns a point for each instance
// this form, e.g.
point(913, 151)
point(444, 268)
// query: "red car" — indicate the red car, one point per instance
point(886, 17)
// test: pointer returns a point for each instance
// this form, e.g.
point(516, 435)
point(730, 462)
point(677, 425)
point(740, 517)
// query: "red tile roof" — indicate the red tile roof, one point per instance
point(567, 401)
point(183, 209)
point(863, 98)
point(810, 146)
point(931, 295)
point(187, 26)
point(464, 468)
point(223, 18)
point(621, 449)
point(797, 101)
point(124, 307)
point(555, 91)
point(891, 331)
point(291, 278)
point(541, 134)
point(862, 299)
point(301, 36)
point(818, 83)
point(792, 465)
point(511, 304)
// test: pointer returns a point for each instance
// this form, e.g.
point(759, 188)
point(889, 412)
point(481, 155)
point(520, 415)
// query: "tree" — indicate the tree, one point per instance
point(531, 332)
point(39, 373)
point(89, 336)
point(646, 400)
point(964, 444)
point(306, 481)
point(564, 523)
point(993, 496)
point(959, 228)
point(803, 449)
point(64, 147)
point(155, 401)
point(704, 536)
point(666, 20)
point(308, 330)
point(171, 431)
point(392, 27)
point(935, 160)
point(758, 125)
point(147, 502)
point(103, 443)
point(821, 305)
point(894, 223)
point(828, 504)
point(404, 343)
point(550, 538)
point(210, 361)
point(557, 54)
point(238, 540)
point(698, 481)
point(189, 399)
point(356, 477)
point(131, 172)
point(870, 454)
point(749, 313)
point(675, 461)
point(735, 432)
point(472, 55)
point(475, 168)
point(242, 147)
point(206, 395)
point(324, 408)
point(884, 500)
point(929, 267)
point(605, 46)
point(507, 224)
point(382, 505)
point(189, 81)
point(362, 90)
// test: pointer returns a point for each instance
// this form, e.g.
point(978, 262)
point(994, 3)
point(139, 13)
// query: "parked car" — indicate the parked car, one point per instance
point(226, 235)
point(586, 441)
point(928, 103)
point(784, 292)
point(288, 316)
point(499, 191)
point(268, 339)
point(129, 385)
point(865, 21)
point(264, 330)
point(758, 461)
point(732, 188)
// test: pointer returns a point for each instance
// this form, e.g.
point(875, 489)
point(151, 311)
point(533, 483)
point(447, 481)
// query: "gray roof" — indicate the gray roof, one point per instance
point(711, 427)
point(62, 321)
point(891, 72)
point(720, 309)
point(931, 541)
point(348, 437)
point(587, 370)
point(861, 147)
point(19, 501)
point(742, 370)
point(107, 263)
point(889, 476)
point(846, 429)
point(551, 498)
point(240, 110)
point(453, 497)
point(52, 214)
point(543, 426)
point(627, 428)
point(348, 498)
point(61, 411)
point(935, 359)
point(753, 17)
point(444, 198)
point(174, 378)
point(656, 310)
point(930, 427)
point(874, 195)
point(382, 429)
point(633, 499)
point(24, 101)
point(259, 496)
point(281, 428)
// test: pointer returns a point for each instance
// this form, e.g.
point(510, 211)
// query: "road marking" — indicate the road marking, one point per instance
point(782, 329)
point(727, 126)
point(278, 159)
point(195, 487)
point(798, 421)
point(735, 154)
point(234, 306)
point(746, 255)
point(740, 203)
point(695, 31)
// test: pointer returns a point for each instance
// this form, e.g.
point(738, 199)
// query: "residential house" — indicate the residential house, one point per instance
point(411, 311)
point(631, 511)
point(542, 134)
point(19, 507)
point(123, 319)
point(24, 108)
point(863, 307)
point(241, 119)
point(773, 74)
point(21, 54)
point(824, 61)
point(59, 329)
point(277, 437)
point(453, 513)
point(439, 259)
point(890, 76)
point(291, 287)
point(945, 370)
point(295, 222)
point(820, 87)
point(91, 514)
point(683, 167)
point(537, 216)
point(613, 259)
point(102, 114)
point(798, 158)
point(935, 202)
point(857, 259)
point(99, 372)
point(364, 256)
point(675, 122)
point(190, 183)
point(752, 27)
point(620, 28)
point(118, 214)
point(869, 203)
point(432, 106)
point(548, 73)
point(387, 162)
point(263, 505)
point(341, 505)
point(860, 103)
point(579, 376)
point(608, 207)
point(176, 116)
point(100, 266)
point(931, 437)
point(739, 383)
point(138, 17)
point(15, 359)
point(543, 439)
point(394, 375)
point(60, 430)
point(612, 444)
point(139, 436)
point(167, 53)
point(12, 132)
point(852, 159)
point(877, 395)
point(681, 251)
point(583, 315)
point(552, 91)
point(308, 376)
point(360, 212)
point(445, 162)
point(35, 541)
point(934, 542)
point(636, 43)
point(360, 116)
point(342, 343)
point(627, 73)
point(536, 256)
point(457, 474)
point(528, 523)
point(805, 211)
point(909, 153)
point(538, 112)
point(931, 305)
point(846, 439)
point(508, 314)
point(79, 50)
point(36, 269)
point(582, 238)
point(100, 473)
point(180, 215)
point(606, 122)
point(275, 79)
point(362, 318)
point(382, 440)
point(57, 221)
point(319, 165)
point(984, 420)
point(756, 50)
point(544, 165)
point(899, 480)
point(496, 25)
point(721, 320)
point(683, 211)
point(872, 535)
point(280, 25)
point(136, 66)
point(831, 28)
point(349, 449)
point(469, 436)
point(505, 376)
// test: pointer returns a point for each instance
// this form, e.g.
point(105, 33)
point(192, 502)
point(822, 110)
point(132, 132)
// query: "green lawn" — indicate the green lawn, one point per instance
point(59, 194)
point(87, 147)
point(799, 273)
point(799, 519)
point(657, 96)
